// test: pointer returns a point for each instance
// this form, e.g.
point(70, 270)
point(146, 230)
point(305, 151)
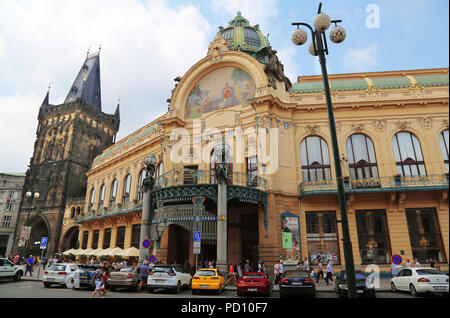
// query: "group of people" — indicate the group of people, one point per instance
point(237, 269)
point(433, 264)
point(33, 262)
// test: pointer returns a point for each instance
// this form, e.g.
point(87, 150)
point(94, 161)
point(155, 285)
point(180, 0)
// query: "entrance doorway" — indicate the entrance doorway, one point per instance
point(38, 230)
point(178, 247)
point(250, 237)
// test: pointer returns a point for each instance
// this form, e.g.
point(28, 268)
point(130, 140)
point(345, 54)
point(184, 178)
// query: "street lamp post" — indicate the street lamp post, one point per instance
point(319, 47)
point(30, 195)
point(148, 182)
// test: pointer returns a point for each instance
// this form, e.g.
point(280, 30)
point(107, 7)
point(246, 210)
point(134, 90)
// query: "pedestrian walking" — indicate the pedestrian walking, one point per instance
point(329, 272)
point(306, 264)
point(247, 267)
point(106, 274)
point(239, 269)
point(97, 278)
point(16, 259)
point(143, 276)
point(231, 274)
point(408, 263)
point(44, 261)
point(29, 266)
point(319, 271)
point(277, 272)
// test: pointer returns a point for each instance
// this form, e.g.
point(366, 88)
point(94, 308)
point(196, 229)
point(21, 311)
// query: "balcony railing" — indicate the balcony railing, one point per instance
point(185, 176)
point(120, 208)
point(383, 184)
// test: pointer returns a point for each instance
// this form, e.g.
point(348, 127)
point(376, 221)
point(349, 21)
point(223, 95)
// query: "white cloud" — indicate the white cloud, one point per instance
point(144, 47)
point(361, 60)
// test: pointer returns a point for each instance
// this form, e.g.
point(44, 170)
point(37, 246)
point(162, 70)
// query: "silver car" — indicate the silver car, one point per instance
point(59, 273)
point(124, 277)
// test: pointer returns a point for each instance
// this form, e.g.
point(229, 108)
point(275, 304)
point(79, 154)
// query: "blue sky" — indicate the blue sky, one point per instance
point(146, 44)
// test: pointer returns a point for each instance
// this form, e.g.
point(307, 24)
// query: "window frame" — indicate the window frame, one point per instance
point(315, 166)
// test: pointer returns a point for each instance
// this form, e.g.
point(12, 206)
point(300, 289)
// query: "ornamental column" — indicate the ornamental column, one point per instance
point(147, 216)
point(222, 240)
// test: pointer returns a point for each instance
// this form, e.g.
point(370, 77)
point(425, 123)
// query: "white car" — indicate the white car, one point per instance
point(9, 270)
point(173, 277)
point(420, 280)
point(60, 273)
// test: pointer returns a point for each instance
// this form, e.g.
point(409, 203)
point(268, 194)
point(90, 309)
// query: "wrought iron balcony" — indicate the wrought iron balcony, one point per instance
point(120, 208)
point(186, 176)
point(382, 184)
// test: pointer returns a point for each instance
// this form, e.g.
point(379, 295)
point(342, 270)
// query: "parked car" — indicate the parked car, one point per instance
point(208, 279)
point(297, 282)
point(363, 287)
point(124, 277)
point(9, 270)
point(254, 283)
point(420, 280)
point(82, 277)
point(174, 277)
point(59, 273)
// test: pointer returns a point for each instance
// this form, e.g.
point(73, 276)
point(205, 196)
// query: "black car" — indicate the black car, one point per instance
point(86, 273)
point(362, 288)
point(297, 282)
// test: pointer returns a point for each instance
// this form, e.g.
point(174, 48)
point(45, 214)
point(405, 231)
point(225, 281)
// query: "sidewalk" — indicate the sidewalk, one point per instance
point(35, 275)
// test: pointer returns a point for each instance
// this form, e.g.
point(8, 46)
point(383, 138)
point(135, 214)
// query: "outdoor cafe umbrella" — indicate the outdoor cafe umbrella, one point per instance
point(89, 251)
point(117, 251)
point(98, 252)
point(68, 252)
point(79, 251)
point(132, 251)
point(106, 252)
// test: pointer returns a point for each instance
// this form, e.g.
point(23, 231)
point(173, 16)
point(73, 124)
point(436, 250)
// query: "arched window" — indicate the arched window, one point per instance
point(140, 188)
point(408, 155)
point(91, 199)
point(72, 214)
point(443, 143)
point(159, 173)
point(361, 157)
point(315, 159)
point(102, 197)
point(126, 189)
point(112, 200)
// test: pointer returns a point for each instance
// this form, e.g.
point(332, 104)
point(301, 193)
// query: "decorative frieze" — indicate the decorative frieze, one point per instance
point(380, 125)
point(425, 122)
point(312, 129)
point(402, 125)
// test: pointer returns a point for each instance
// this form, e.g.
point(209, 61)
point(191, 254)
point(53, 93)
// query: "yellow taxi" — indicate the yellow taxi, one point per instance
point(208, 279)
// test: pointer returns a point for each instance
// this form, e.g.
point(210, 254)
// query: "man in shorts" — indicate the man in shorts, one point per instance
point(98, 279)
point(143, 275)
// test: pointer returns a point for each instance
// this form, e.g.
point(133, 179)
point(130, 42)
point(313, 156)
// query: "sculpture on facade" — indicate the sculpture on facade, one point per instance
point(275, 71)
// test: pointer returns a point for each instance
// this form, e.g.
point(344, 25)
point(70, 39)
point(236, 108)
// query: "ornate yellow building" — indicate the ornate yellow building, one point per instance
point(281, 189)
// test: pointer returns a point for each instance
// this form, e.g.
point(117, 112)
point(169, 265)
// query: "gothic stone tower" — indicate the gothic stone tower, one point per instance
point(69, 136)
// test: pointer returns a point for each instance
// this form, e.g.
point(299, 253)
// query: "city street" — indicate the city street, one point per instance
point(35, 289)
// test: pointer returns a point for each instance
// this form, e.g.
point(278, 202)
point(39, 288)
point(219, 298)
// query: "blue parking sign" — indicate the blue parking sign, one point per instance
point(43, 243)
point(197, 236)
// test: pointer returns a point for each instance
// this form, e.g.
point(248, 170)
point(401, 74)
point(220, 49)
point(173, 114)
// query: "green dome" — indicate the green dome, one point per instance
point(244, 37)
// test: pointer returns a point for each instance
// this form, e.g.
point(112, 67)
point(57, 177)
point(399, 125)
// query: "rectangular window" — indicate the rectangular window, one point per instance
point(190, 175)
point(10, 206)
point(373, 237)
point(322, 237)
point(107, 239)
point(7, 221)
point(425, 236)
point(120, 239)
point(252, 171)
point(85, 240)
point(95, 239)
point(136, 235)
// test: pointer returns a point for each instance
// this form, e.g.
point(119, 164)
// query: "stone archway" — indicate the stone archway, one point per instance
point(70, 239)
point(178, 244)
point(39, 229)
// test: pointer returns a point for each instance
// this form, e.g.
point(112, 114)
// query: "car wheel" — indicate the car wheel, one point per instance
point(18, 276)
point(47, 284)
point(178, 289)
point(393, 288)
point(412, 290)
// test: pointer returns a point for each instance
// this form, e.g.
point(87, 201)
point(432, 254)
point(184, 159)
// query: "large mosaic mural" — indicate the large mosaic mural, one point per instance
point(220, 89)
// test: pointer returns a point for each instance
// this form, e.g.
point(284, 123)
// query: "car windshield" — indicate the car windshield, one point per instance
point(253, 276)
point(428, 271)
point(161, 269)
point(358, 276)
point(57, 268)
point(126, 269)
point(205, 273)
point(296, 274)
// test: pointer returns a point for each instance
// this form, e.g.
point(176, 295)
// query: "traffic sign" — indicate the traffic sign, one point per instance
point(43, 243)
point(197, 236)
point(152, 259)
point(397, 259)
point(146, 243)
point(25, 232)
